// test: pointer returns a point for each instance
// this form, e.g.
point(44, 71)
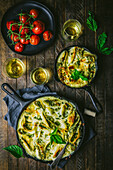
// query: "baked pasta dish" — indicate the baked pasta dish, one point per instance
point(76, 67)
point(46, 125)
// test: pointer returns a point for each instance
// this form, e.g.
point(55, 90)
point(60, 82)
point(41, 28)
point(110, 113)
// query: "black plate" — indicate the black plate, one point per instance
point(45, 15)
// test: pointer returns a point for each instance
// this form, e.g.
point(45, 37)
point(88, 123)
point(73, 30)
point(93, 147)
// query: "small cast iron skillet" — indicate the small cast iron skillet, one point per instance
point(24, 103)
point(87, 88)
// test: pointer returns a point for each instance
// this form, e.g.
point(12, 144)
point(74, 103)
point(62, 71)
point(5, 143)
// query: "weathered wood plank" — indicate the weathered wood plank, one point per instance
point(11, 163)
point(75, 10)
point(105, 131)
point(90, 44)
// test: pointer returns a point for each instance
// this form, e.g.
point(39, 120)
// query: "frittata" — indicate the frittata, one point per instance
point(46, 125)
point(76, 60)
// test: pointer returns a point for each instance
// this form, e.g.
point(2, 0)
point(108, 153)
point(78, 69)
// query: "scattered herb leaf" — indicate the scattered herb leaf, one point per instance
point(107, 50)
point(91, 23)
point(100, 44)
point(101, 40)
point(14, 150)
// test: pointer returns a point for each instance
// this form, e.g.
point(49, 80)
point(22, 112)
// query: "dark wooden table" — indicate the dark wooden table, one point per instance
point(98, 153)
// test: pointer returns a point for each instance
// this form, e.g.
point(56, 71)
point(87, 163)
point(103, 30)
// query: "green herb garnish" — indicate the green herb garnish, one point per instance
point(56, 138)
point(91, 23)
point(101, 44)
point(76, 75)
point(14, 150)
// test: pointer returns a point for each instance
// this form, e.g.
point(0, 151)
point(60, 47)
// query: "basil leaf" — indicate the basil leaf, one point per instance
point(101, 40)
point(54, 132)
point(91, 23)
point(83, 78)
point(107, 50)
point(58, 139)
point(51, 140)
point(76, 75)
point(100, 44)
point(14, 150)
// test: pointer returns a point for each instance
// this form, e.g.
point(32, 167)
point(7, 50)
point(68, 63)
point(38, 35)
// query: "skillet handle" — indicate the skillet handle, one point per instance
point(13, 95)
point(95, 102)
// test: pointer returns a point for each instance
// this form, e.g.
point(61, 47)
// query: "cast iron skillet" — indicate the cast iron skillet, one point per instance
point(45, 15)
point(24, 103)
point(87, 88)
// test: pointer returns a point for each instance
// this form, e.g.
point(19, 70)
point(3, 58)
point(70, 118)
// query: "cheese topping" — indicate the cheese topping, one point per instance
point(40, 119)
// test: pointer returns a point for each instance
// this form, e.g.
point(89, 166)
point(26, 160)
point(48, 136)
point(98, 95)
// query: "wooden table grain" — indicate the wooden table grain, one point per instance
point(98, 153)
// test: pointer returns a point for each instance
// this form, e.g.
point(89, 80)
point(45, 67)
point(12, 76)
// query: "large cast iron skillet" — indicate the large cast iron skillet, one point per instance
point(87, 88)
point(24, 103)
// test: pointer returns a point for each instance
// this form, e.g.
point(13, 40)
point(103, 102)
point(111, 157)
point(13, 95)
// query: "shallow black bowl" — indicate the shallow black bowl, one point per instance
point(45, 15)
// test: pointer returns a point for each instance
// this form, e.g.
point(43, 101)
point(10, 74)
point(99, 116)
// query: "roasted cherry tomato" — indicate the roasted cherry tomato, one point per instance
point(34, 39)
point(14, 37)
point(34, 13)
point(12, 25)
point(47, 35)
point(23, 30)
point(23, 39)
point(19, 47)
point(24, 19)
point(38, 27)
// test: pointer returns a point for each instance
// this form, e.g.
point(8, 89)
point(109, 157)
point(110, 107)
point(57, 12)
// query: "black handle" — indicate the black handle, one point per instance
point(95, 102)
point(13, 95)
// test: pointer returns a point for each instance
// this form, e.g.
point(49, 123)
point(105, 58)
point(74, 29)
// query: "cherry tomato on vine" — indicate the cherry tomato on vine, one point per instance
point(19, 47)
point(12, 25)
point(24, 18)
point(23, 39)
point(34, 13)
point(14, 37)
point(47, 35)
point(23, 30)
point(38, 27)
point(34, 39)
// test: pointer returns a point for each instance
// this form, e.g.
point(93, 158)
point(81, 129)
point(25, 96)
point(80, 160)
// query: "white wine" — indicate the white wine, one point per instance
point(40, 76)
point(72, 29)
point(14, 68)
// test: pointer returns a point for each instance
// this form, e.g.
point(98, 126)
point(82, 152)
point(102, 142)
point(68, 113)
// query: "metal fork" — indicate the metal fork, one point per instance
point(58, 158)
